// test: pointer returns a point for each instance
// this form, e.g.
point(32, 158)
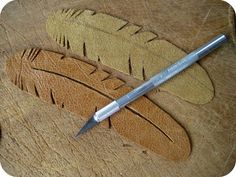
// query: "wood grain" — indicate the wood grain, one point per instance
point(28, 122)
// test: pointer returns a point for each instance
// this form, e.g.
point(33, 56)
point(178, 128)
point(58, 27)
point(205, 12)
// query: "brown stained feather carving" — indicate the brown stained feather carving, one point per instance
point(82, 88)
point(126, 48)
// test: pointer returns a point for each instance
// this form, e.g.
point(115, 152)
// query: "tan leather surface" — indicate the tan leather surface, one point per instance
point(82, 88)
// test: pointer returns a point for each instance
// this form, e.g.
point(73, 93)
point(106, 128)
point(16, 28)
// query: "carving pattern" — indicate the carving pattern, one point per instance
point(82, 88)
point(126, 48)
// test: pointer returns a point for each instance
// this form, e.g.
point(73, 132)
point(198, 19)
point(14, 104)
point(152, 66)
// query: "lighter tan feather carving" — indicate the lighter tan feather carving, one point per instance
point(122, 46)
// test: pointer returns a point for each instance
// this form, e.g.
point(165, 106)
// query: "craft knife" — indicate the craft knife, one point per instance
point(153, 82)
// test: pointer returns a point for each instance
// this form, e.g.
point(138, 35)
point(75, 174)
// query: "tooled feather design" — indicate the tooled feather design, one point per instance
point(81, 88)
point(123, 46)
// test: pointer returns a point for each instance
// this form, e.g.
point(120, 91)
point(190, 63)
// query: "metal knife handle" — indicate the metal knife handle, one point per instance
point(137, 92)
point(188, 60)
point(172, 70)
point(115, 106)
point(160, 78)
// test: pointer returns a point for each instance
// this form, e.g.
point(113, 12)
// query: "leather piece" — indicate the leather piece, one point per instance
point(82, 88)
point(126, 48)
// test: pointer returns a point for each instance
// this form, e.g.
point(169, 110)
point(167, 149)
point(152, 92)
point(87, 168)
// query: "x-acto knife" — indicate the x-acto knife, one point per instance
point(153, 82)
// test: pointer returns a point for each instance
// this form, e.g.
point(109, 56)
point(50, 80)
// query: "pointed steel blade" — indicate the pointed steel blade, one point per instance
point(88, 125)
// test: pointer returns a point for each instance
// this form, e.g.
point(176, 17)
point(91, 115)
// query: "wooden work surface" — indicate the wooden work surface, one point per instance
point(26, 151)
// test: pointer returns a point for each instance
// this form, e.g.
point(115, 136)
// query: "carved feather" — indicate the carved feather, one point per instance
point(81, 88)
point(122, 46)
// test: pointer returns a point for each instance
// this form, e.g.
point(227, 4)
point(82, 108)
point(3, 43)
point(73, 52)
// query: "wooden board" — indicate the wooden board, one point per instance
point(27, 121)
